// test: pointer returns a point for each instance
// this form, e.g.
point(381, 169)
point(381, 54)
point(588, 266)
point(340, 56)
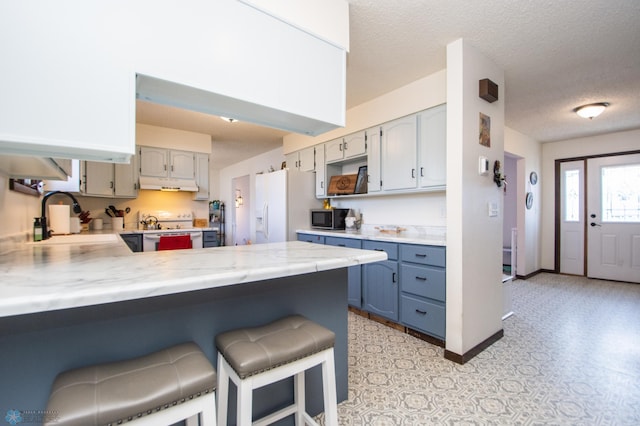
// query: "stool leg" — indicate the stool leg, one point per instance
point(222, 390)
point(299, 398)
point(329, 390)
point(245, 402)
point(208, 414)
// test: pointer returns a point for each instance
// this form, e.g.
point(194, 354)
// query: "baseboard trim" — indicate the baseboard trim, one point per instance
point(461, 359)
point(533, 274)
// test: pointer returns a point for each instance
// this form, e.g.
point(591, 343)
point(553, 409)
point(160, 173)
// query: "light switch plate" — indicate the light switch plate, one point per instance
point(492, 208)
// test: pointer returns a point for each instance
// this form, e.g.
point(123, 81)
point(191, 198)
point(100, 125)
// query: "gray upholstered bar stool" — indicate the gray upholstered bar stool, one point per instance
point(162, 388)
point(256, 357)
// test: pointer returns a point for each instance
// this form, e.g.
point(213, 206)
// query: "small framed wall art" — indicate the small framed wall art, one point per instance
point(485, 130)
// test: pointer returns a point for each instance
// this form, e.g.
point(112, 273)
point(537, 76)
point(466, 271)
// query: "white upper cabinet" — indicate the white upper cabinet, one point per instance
point(303, 160)
point(321, 171)
point(432, 170)
point(101, 179)
point(399, 154)
point(69, 86)
point(350, 146)
point(153, 161)
point(182, 165)
point(98, 179)
point(202, 176)
point(374, 180)
point(161, 162)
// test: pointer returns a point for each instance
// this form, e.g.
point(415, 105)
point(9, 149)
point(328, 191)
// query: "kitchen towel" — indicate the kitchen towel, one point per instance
point(58, 220)
point(174, 242)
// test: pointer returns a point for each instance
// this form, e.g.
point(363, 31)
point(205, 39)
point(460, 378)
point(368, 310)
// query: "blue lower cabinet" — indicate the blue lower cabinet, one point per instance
point(354, 295)
point(423, 315)
point(423, 289)
point(381, 289)
point(310, 238)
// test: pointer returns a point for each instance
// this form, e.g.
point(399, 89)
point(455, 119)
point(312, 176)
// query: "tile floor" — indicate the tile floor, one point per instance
point(570, 355)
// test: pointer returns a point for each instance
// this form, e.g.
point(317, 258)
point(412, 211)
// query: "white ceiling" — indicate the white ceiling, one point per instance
point(556, 54)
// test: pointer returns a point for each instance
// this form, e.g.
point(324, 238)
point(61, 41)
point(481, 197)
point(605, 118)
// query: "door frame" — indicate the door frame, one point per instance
point(557, 201)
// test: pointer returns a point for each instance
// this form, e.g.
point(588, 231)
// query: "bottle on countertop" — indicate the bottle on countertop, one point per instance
point(37, 229)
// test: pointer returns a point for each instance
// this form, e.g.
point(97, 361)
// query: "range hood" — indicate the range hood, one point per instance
point(168, 184)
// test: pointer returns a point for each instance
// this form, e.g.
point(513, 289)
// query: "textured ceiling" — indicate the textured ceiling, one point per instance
point(556, 54)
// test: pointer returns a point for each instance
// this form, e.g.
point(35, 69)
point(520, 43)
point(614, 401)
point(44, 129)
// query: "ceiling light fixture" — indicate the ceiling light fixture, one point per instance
point(229, 120)
point(591, 110)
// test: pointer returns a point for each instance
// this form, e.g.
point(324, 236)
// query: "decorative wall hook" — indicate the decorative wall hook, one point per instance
point(498, 177)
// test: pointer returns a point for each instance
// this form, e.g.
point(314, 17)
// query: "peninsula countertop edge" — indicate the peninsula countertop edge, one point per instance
point(55, 277)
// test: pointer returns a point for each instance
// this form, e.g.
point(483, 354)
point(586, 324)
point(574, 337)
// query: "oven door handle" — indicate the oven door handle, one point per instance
point(156, 237)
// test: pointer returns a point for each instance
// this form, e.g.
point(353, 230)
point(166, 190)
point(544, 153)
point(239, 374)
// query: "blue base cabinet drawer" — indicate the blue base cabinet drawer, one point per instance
point(310, 238)
point(423, 281)
point(423, 315)
point(424, 255)
point(390, 248)
point(343, 242)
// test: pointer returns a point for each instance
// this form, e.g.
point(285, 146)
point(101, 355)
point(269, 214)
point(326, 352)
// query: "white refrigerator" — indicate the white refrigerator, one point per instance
point(283, 202)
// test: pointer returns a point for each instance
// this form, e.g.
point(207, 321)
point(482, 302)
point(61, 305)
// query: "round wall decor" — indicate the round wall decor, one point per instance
point(529, 200)
point(533, 178)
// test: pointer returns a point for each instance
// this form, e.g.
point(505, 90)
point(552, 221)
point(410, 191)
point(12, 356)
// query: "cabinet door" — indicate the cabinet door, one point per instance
point(354, 145)
point(202, 177)
point(126, 179)
point(399, 154)
point(433, 147)
point(292, 160)
point(381, 289)
point(374, 180)
point(306, 160)
point(153, 161)
point(333, 150)
point(321, 172)
point(134, 241)
point(182, 165)
point(98, 179)
point(354, 291)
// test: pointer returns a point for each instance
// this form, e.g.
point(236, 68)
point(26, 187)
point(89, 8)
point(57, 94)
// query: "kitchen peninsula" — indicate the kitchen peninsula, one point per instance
point(68, 305)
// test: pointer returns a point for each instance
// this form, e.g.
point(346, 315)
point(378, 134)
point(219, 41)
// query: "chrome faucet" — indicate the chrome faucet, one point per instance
point(43, 217)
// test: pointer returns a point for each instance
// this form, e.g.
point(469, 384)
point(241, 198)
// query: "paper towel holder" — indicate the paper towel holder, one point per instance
point(43, 216)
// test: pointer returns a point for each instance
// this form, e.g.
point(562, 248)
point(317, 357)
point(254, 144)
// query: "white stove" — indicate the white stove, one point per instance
point(168, 223)
point(166, 219)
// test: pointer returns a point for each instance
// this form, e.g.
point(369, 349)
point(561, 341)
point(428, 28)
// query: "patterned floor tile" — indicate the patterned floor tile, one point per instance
point(570, 355)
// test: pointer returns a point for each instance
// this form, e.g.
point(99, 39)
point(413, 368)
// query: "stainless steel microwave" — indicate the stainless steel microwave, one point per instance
point(328, 218)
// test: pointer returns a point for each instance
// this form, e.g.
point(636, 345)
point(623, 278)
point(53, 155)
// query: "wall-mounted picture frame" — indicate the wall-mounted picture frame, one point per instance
point(361, 181)
point(533, 178)
point(484, 138)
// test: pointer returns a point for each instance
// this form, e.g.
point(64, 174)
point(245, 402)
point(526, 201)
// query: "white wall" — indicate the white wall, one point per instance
point(529, 221)
point(594, 145)
point(250, 167)
point(172, 139)
point(419, 95)
point(474, 240)
point(17, 210)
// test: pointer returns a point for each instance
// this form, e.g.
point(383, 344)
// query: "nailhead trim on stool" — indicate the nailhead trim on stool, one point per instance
point(255, 357)
point(161, 388)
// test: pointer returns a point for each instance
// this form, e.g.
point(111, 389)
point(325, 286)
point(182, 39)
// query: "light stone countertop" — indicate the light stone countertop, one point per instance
point(431, 236)
point(39, 278)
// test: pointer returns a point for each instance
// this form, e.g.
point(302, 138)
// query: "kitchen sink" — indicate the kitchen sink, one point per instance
point(80, 239)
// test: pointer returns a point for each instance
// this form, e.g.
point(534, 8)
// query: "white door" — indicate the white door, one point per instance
point(572, 217)
point(373, 160)
point(613, 209)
